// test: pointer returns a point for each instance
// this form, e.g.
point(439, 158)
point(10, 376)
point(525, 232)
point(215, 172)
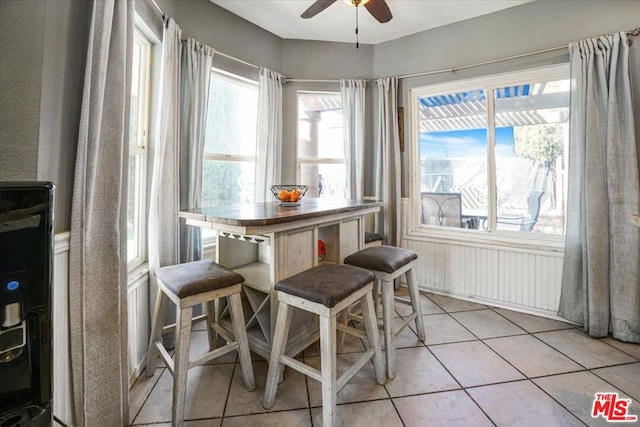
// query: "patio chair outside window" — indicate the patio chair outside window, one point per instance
point(443, 209)
point(526, 223)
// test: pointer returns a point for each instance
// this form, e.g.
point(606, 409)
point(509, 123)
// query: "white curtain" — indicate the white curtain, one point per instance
point(195, 75)
point(98, 253)
point(353, 117)
point(601, 274)
point(164, 199)
point(269, 134)
point(387, 160)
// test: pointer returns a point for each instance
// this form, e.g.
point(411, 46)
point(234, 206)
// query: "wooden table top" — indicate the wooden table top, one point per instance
point(271, 213)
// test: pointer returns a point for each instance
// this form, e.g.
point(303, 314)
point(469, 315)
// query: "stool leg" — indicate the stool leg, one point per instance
point(376, 296)
point(279, 344)
point(343, 320)
point(181, 363)
point(237, 319)
point(387, 315)
point(414, 294)
point(328, 369)
point(159, 312)
point(371, 326)
point(212, 335)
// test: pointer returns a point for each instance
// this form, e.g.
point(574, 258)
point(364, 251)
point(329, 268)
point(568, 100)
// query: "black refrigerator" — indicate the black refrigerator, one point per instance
point(26, 263)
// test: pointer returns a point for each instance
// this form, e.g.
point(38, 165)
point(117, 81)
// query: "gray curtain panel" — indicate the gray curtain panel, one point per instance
point(601, 273)
point(269, 134)
point(387, 161)
point(194, 97)
point(164, 200)
point(98, 253)
point(353, 116)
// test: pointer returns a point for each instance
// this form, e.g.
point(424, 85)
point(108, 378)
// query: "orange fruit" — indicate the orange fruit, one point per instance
point(294, 195)
point(283, 195)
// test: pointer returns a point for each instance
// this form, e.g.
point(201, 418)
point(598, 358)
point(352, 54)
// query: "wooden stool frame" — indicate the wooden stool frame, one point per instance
point(180, 364)
point(328, 347)
point(386, 282)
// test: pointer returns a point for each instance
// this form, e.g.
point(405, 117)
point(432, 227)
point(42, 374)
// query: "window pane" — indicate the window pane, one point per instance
point(227, 183)
point(453, 159)
point(136, 209)
point(324, 180)
point(231, 117)
point(531, 135)
point(320, 126)
point(133, 223)
point(135, 84)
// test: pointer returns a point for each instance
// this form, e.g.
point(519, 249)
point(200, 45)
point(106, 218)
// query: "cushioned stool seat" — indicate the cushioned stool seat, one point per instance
point(187, 285)
point(381, 258)
point(389, 263)
point(326, 284)
point(372, 239)
point(325, 290)
point(196, 277)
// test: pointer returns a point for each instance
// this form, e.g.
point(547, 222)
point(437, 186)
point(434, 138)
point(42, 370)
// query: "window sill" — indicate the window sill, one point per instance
point(139, 272)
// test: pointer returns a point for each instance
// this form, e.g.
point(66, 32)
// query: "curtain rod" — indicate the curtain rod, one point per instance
point(634, 32)
point(311, 80)
point(233, 58)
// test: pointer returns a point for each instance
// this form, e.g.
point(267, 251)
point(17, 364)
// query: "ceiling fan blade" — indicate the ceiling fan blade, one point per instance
point(380, 10)
point(317, 7)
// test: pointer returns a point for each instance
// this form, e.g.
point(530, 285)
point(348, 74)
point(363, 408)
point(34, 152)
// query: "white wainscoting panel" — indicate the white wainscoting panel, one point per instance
point(62, 397)
point(525, 280)
point(138, 323)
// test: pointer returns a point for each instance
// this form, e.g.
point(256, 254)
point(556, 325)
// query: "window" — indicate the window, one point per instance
point(490, 152)
point(321, 148)
point(138, 132)
point(230, 141)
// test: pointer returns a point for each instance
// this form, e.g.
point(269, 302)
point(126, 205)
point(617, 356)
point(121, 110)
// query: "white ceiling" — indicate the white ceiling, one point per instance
point(337, 22)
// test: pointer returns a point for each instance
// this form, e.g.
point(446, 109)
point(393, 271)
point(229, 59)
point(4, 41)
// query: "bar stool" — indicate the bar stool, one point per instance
point(389, 263)
point(325, 290)
point(187, 285)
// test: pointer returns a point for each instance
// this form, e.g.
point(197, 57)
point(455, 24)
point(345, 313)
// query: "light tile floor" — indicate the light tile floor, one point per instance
point(480, 366)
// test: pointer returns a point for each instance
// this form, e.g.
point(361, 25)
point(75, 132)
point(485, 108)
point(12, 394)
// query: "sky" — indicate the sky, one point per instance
point(465, 143)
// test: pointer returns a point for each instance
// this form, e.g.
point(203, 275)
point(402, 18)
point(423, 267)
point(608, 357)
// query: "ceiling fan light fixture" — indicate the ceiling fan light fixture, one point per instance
point(356, 3)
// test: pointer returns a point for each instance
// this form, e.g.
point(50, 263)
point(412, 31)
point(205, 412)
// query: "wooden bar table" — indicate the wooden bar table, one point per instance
point(266, 242)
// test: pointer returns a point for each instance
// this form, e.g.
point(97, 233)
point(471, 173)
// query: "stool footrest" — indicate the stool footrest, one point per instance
point(214, 354)
point(168, 360)
point(351, 331)
point(404, 324)
point(353, 370)
point(222, 332)
point(402, 300)
point(172, 326)
point(301, 367)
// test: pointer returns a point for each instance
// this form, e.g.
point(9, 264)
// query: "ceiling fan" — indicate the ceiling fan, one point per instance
point(378, 8)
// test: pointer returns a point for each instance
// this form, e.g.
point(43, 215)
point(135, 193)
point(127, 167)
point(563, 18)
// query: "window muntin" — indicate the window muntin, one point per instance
point(321, 146)
point(138, 133)
point(490, 146)
point(230, 141)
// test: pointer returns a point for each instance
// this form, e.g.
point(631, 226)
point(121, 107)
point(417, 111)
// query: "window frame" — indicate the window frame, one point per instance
point(300, 161)
point(138, 148)
point(493, 236)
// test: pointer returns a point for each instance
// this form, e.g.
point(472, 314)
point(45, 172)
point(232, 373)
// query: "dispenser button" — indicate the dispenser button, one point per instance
point(13, 285)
